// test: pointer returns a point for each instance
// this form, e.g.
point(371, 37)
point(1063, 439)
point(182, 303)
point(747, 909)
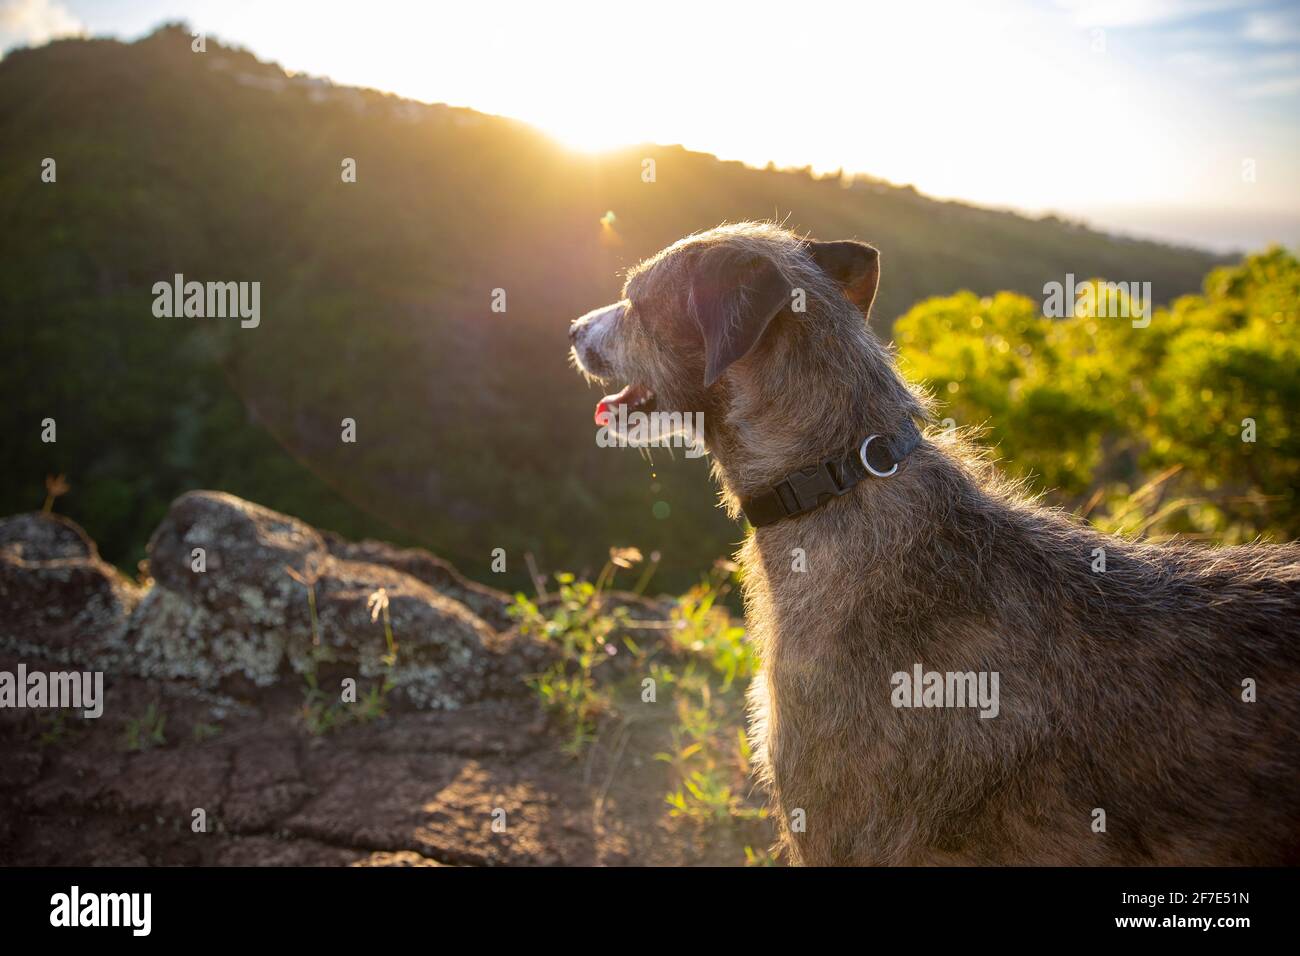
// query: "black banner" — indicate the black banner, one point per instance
point(372, 905)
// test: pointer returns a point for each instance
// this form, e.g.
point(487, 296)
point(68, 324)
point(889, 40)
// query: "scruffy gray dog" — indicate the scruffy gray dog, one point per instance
point(947, 677)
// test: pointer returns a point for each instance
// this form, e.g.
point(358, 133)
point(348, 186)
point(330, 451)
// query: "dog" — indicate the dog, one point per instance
point(1145, 714)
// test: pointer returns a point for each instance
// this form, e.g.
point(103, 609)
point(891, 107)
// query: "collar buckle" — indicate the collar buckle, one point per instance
point(808, 485)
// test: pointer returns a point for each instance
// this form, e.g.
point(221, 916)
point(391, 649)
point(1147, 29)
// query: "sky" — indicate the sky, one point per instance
point(1175, 119)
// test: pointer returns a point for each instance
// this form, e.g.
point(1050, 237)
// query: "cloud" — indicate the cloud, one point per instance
point(1282, 86)
point(1217, 65)
point(1206, 65)
point(1275, 27)
point(33, 22)
point(1141, 13)
point(1258, 50)
point(1289, 60)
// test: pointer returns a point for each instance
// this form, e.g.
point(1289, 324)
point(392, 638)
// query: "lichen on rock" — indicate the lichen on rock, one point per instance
point(59, 601)
point(231, 599)
point(248, 613)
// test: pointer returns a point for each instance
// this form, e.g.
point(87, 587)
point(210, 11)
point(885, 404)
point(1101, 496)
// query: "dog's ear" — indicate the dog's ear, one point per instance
point(734, 302)
point(854, 265)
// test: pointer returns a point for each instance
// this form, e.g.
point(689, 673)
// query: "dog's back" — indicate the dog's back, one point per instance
point(1147, 712)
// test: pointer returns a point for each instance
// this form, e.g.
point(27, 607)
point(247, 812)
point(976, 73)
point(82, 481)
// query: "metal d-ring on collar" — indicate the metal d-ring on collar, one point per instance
point(862, 454)
point(811, 487)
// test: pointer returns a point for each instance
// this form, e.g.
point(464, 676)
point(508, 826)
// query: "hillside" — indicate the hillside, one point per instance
point(472, 432)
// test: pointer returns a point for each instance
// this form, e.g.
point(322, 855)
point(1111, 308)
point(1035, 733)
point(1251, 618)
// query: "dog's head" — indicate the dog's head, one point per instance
point(720, 313)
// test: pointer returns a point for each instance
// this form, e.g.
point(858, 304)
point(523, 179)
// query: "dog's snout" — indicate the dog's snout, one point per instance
point(597, 324)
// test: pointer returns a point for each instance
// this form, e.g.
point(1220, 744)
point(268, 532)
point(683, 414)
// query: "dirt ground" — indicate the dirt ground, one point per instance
point(410, 789)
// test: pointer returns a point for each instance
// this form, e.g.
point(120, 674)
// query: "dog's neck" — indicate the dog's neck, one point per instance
point(802, 403)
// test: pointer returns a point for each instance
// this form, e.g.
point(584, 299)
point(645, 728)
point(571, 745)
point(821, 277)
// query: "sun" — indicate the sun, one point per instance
point(578, 133)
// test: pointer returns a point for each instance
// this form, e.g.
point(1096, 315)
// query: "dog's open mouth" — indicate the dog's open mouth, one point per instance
point(637, 398)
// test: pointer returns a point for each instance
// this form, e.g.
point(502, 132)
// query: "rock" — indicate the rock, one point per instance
point(248, 613)
point(58, 600)
point(40, 536)
point(487, 603)
point(244, 546)
point(446, 656)
point(241, 612)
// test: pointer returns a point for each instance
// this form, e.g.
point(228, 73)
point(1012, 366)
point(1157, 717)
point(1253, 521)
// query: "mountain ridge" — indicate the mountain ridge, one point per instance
point(376, 294)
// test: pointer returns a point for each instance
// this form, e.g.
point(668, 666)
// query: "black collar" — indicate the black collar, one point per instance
point(811, 487)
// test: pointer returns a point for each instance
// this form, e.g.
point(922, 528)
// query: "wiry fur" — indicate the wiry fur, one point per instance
point(1120, 690)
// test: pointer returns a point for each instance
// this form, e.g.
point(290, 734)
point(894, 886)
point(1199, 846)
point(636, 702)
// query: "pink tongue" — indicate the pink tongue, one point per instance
point(609, 402)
